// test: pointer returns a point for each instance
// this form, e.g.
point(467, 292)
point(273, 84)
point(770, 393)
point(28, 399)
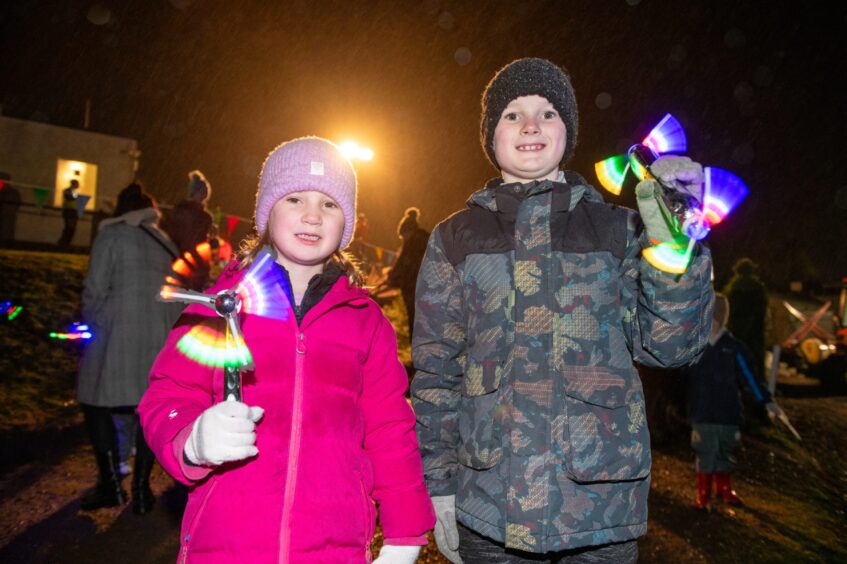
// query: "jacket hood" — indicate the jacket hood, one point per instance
point(567, 180)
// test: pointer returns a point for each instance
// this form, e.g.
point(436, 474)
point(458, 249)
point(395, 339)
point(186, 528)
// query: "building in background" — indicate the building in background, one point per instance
point(41, 159)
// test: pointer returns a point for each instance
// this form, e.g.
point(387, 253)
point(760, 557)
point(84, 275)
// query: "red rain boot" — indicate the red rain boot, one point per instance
point(723, 485)
point(704, 490)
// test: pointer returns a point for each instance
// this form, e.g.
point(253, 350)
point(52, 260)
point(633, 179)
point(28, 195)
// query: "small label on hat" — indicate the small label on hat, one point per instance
point(317, 168)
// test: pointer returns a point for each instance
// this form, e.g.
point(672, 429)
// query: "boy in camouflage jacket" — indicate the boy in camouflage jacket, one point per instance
point(532, 305)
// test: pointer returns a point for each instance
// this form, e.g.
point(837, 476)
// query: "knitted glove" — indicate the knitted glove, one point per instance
point(681, 186)
point(446, 532)
point(397, 554)
point(680, 174)
point(223, 433)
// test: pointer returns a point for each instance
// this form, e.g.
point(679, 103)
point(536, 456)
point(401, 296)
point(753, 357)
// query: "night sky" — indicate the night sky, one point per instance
point(216, 84)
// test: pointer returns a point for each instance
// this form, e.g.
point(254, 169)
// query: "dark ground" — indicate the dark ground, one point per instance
point(796, 493)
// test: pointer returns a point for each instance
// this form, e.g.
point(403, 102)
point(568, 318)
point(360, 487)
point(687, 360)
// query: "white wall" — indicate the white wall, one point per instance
point(29, 152)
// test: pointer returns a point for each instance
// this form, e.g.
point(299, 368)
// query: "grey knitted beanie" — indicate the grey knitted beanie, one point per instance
point(525, 77)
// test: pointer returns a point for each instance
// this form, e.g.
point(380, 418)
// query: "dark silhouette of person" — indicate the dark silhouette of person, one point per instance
point(10, 201)
point(368, 255)
point(190, 223)
point(404, 272)
point(748, 301)
point(70, 215)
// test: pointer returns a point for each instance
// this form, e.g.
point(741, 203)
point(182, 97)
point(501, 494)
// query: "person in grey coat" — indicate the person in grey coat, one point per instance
point(129, 261)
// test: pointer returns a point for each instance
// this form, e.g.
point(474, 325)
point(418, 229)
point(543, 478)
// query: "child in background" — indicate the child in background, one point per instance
point(324, 430)
point(715, 409)
point(532, 304)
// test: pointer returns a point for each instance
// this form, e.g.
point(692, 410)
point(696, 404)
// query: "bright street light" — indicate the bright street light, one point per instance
point(352, 150)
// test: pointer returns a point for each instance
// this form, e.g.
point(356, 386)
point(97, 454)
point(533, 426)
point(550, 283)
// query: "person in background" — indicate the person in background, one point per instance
point(70, 215)
point(715, 409)
point(748, 299)
point(190, 223)
point(404, 272)
point(367, 255)
point(129, 261)
point(533, 304)
point(291, 474)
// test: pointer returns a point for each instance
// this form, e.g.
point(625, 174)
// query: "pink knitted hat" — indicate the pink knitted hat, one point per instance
point(307, 163)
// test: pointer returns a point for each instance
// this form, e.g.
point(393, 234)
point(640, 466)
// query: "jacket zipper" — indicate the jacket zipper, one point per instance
point(368, 532)
point(183, 557)
point(293, 450)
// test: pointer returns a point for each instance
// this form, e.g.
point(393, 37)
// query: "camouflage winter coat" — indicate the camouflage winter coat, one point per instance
point(532, 304)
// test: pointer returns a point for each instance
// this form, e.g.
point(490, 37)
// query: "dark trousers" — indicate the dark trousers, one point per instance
point(104, 437)
point(70, 217)
point(715, 446)
point(477, 549)
point(100, 427)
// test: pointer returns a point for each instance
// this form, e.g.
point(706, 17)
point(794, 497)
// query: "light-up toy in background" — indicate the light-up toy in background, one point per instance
point(260, 292)
point(688, 220)
point(77, 331)
point(10, 310)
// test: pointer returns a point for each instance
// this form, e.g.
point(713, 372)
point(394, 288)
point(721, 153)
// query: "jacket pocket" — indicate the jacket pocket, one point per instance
point(480, 445)
point(607, 426)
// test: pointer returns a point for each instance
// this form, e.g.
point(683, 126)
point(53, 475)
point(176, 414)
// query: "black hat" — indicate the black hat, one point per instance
point(525, 77)
point(409, 222)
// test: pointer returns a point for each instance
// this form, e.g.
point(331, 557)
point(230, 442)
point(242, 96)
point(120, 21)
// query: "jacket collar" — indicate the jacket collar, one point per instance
point(568, 190)
point(341, 293)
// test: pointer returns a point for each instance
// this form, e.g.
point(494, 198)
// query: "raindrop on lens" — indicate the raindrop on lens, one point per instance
point(446, 20)
point(743, 154)
point(462, 56)
point(603, 100)
point(98, 14)
point(734, 38)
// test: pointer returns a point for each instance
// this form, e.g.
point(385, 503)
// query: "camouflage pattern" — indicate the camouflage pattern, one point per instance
point(529, 408)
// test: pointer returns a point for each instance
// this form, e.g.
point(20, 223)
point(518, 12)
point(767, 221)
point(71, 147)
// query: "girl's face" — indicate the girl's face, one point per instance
point(305, 229)
point(529, 140)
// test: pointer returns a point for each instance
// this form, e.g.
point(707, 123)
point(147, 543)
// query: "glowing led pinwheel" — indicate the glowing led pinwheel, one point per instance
point(260, 292)
point(10, 310)
point(667, 137)
point(688, 219)
point(76, 331)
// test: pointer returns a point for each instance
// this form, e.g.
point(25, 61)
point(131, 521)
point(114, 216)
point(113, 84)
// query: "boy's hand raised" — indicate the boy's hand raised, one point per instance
point(223, 433)
point(679, 183)
point(680, 174)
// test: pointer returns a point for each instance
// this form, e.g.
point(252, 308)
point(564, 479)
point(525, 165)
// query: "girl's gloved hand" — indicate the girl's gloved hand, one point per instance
point(397, 554)
point(223, 433)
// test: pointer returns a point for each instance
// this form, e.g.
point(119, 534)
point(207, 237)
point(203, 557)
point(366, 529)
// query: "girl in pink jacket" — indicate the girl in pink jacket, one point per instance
point(324, 430)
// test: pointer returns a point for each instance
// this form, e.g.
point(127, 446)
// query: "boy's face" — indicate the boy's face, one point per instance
point(529, 140)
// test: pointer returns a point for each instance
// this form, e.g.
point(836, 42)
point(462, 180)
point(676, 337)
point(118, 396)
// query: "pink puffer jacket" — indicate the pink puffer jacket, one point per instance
point(337, 435)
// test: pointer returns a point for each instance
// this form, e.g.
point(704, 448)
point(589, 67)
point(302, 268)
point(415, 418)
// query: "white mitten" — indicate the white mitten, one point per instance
point(446, 532)
point(223, 433)
point(398, 554)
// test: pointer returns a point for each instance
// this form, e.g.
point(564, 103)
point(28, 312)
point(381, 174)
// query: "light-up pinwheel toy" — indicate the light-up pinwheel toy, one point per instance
point(77, 331)
point(10, 310)
point(260, 292)
point(688, 220)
